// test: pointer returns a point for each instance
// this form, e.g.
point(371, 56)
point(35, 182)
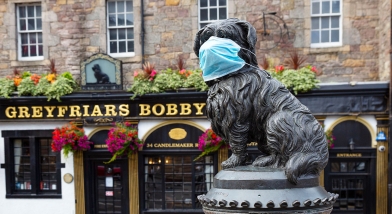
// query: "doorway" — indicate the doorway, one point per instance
point(351, 175)
point(106, 185)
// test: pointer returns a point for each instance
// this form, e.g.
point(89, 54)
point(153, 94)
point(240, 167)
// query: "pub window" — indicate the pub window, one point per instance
point(32, 169)
point(29, 28)
point(326, 23)
point(211, 10)
point(120, 28)
point(173, 182)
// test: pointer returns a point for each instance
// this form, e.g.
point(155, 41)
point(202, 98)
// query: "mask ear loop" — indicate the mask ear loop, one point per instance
point(268, 75)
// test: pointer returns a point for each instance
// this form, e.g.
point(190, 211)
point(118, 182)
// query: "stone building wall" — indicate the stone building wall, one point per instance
point(76, 29)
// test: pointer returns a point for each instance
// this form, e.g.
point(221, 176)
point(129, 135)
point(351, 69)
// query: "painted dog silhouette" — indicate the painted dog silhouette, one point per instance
point(100, 75)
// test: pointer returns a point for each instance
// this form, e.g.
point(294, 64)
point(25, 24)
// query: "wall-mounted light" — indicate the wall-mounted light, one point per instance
point(351, 144)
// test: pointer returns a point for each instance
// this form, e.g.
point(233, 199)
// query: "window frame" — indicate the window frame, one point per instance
point(33, 137)
point(321, 15)
point(208, 21)
point(108, 28)
point(142, 176)
point(20, 32)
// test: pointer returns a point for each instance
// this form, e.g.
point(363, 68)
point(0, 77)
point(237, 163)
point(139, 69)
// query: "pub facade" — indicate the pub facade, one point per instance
point(163, 176)
point(348, 42)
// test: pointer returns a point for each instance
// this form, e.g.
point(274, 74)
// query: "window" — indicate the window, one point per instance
point(211, 10)
point(175, 181)
point(120, 26)
point(326, 23)
point(29, 21)
point(32, 169)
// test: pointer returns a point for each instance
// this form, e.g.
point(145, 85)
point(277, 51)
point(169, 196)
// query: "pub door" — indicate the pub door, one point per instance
point(351, 174)
point(106, 185)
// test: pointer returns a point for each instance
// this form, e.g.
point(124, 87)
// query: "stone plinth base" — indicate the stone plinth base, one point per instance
point(255, 190)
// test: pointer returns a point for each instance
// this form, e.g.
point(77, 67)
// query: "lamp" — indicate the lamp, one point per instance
point(351, 144)
point(381, 136)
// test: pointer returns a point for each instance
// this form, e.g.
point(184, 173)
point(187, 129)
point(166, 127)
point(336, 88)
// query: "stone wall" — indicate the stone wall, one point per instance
point(76, 29)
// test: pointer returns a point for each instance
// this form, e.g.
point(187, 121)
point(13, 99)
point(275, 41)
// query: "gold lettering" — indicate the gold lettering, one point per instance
point(154, 109)
point(37, 111)
point(171, 109)
point(85, 110)
point(110, 110)
point(23, 112)
point(96, 111)
point(10, 112)
point(74, 111)
point(144, 110)
point(172, 145)
point(49, 109)
point(62, 110)
point(199, 107)
point(124, 110)
point(185, 109)
point(348, 155)
point(149, 145)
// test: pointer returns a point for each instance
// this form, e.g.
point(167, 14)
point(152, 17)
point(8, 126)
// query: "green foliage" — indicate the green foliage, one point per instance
point(195, 80)
point(169, 80)
point(26, 87)
point(7, 86)
point(298, 81)
point(26, 74)
point(58, 88)
point(41, 87)
point(143, 86)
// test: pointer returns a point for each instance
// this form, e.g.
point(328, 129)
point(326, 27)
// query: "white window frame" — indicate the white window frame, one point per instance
point(321, 15)
point(208, 9)
point(124, 54)
point(29, 32)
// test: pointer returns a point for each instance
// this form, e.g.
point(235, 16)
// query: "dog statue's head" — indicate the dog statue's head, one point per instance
point(241, 32)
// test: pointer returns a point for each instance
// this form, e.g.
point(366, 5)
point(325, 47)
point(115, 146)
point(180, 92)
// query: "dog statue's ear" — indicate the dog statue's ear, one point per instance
point(251, 36)
point(196, 45)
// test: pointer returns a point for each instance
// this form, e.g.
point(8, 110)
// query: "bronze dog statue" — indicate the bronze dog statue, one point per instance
point(249, 105)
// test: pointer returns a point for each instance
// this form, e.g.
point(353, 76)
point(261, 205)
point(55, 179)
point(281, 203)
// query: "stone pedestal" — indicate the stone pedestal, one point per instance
point(256, 190)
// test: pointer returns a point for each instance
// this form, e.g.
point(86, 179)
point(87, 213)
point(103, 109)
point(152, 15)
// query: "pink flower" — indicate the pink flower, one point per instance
point(182, 71)
point(313, 69)
point(135, 73)
point(153, 73)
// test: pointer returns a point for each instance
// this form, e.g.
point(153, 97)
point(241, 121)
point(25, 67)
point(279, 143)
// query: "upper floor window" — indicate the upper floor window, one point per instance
point(211, 10)
point(29, 29)
point(326, 23)
point(32, 169)
point(120, 28)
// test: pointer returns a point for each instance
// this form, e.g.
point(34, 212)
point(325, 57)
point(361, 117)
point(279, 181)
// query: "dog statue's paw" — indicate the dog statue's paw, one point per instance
point(263, 160)
point(233, 161)
point(291, 176)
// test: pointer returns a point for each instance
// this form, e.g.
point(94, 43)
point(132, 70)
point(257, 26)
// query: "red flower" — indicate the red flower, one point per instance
point(279, 68)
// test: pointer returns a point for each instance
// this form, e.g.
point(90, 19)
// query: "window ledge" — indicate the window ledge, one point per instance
point(29, 63)
point(54, 196)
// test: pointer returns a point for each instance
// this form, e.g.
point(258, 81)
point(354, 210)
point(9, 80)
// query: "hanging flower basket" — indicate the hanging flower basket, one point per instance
point(123, 140)
point(330, 138)
point(69, 138)
point(210, 142)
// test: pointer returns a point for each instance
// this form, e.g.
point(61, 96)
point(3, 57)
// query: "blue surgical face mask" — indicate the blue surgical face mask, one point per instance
point(219, 57)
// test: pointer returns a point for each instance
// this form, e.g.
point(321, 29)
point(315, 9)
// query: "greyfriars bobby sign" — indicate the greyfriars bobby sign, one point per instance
point(101, 72)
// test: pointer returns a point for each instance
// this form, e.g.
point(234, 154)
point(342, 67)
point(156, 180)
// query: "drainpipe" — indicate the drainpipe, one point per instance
point(142, 28)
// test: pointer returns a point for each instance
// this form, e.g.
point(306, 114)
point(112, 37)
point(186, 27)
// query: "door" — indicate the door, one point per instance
point(351, 174)
point(106, 185)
